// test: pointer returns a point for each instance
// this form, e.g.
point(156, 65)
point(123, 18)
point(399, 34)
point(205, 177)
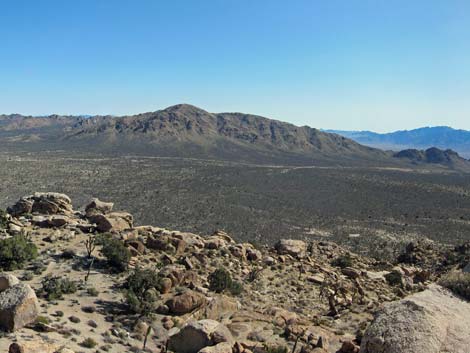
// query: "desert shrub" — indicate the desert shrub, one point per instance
point(275, 349)
point(116, 253)
point(394, 278)
point(89, 343)
point(92, 292)
point(142, 287)
point(220, 280)
point(55, 287)
point(3, 220)
point(15, 252)
point(342, 261)
point(457, 282)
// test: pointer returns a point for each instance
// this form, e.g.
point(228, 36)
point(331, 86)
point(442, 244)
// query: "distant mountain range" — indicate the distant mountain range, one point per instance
point(442, 137)
point(187, 131)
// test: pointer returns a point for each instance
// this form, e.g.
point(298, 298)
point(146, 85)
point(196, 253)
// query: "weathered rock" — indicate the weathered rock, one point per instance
point(18, 307)
point(199, 334)
point(165, 285)
point(42, 203)
point(296, 248)
point(7, 280)
point(115, 221)
point(221, 307)
point(223, 347)
point(98, 207)
point(35, 346)
point(351, 272)
point(432, 321)
point(186, 302)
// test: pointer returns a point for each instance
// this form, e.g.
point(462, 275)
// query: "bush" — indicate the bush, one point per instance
point(141, 290)
point(342, 261)
point(89, 343)
point(3, 220)
point(15, 252)
point(457, 282)
point(220, 280)
point(116, 253)
point(92, 292)
point(55, 287)
point(275, 349)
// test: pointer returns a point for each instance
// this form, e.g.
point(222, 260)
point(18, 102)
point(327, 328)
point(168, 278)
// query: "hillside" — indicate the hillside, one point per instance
point(89, 280)
point(442, 137)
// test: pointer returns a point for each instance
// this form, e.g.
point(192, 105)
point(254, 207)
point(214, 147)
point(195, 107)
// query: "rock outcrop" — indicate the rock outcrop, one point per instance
point(432, 321)
point(199, 334)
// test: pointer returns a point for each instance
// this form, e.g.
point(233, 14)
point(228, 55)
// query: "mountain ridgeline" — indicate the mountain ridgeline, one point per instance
point(442, 137)
point(187, 131)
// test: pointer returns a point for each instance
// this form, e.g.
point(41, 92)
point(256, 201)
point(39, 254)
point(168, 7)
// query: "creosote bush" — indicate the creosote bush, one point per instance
point(342, 261)
point(116, 253)
point(3, 220)
point(142, 288)
point(89, 343)
point(15, 252)
point(457, 282)
point(220, 280)
point(55, 287)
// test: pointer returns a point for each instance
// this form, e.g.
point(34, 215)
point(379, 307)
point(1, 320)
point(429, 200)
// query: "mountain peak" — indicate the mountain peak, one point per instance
point(185, 108)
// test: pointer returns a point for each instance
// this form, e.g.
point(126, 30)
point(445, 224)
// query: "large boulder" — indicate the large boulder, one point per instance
point(432, 321)
point(18, 307)
point(115, 221)
point(199, 334)
point(296, 248)
point(7, 280)
point(98, 207)
point(42, 203)
point(186, 302)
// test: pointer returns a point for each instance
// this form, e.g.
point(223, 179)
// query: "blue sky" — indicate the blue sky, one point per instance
point(380, 65)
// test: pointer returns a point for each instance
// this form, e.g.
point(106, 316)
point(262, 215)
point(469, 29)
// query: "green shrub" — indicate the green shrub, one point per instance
point(55, 287)
point(275, 349)
point(394, 278)
point(89, 343)
point(141, 290)
point(92, 292)
point(342, 261)
point(116, 253)
point(220, 280)
point(15, 252)
point(3, 220)
point(457, 282)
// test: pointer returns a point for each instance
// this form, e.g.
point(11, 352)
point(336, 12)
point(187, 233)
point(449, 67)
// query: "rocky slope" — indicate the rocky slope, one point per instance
point(202, 294)
point(187, 131)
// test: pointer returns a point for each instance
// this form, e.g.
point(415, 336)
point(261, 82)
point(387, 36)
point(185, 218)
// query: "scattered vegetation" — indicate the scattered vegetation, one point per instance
point(15, 252)
point(220, 281)
point(275, 349)
point(342, 261)
point(142, 288)
point(116, 253)
point(457, 282)
point(3, 219)
point(89, 343)
point(54, 288)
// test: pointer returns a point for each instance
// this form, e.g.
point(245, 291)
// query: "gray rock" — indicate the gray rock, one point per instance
point(432, 321)
point(296, 248)
point(18, 307)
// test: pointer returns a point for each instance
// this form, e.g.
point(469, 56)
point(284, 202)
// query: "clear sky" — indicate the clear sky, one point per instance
point(346, 64)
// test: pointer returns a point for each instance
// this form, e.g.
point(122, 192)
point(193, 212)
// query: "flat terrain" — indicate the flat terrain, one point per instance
point(370, 209)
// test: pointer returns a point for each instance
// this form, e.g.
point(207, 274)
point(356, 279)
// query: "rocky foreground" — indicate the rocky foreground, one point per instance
point(78, 281)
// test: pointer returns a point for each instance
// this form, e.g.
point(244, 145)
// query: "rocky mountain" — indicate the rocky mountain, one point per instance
point(90, 280)
point(433, 156)
point(442, 137)
point(185, 130)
